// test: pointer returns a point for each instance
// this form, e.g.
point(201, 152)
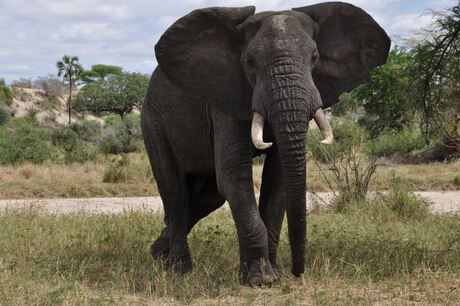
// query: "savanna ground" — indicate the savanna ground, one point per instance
point(363, 255)
point(392, 251)
point(130, 175)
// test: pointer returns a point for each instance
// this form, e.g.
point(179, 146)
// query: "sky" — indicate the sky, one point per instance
point(37, 33)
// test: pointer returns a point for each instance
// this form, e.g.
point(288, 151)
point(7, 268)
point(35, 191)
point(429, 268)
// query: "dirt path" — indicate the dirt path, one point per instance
point(442, 202)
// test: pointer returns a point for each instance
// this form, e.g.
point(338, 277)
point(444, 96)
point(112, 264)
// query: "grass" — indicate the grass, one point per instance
point(354, 258)
point(114, 176)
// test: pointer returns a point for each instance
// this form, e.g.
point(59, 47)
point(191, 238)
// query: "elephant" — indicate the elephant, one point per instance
point(232, 84)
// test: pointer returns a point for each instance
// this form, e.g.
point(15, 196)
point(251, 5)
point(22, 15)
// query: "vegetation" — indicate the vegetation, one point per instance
point(99, 73)
point(27, 141)
point(4, 116)
point(6, 95)
point(118, 94)
point(70, 70)
point(51, 86)
point(20, 141)
point(355, 257)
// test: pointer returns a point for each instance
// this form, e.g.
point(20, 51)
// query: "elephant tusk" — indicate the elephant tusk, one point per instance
point(324, 126)
point(257, 132)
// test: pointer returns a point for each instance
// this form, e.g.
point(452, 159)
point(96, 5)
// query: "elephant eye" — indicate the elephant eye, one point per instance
point(250, 62)
point(314, 58)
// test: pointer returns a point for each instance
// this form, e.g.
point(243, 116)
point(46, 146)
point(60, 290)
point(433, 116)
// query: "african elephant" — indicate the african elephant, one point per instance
point(231, 84)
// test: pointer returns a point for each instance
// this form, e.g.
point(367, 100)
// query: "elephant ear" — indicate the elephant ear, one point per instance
point(200, 53)
point(350, 43)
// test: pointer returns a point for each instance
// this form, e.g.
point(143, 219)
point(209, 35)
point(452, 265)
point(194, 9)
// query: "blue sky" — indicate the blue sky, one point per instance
point(36, 33)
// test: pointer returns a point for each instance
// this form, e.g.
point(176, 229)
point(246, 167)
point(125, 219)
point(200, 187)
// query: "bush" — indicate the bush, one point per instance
point(392, 141)
point(118, 171)
point(23, 83)
point(50, 103)
point(121, 136)
point(6, 95)
point(74, 141)
point(4, 117)
point(404, 204)
point(87, 130)
point(347, 135)
point(51, 85)
point(21, 140)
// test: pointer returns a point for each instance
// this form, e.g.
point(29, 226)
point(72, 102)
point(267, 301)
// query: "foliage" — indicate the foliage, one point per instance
point(21, 140)
point(4, 116)
point(385, 100)
point(100, 73)
point(436, 75)
point(405, 205)
point(70, 70)
point(77, 141)
point(6, 95)
point(119, 171)
point(118, 94)
point(347, 135)
point(121, 136)
point(52, 86)
point(2, 82)
point(391, 142)
point(50, 103)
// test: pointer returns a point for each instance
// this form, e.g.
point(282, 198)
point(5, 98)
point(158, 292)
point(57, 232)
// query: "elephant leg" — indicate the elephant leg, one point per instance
point(204, 199)
point(233, 156)
point(271, 202)
point(173, 188)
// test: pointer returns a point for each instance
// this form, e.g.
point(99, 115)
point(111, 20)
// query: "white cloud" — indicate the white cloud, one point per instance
point(36, 33)
point(87, 32)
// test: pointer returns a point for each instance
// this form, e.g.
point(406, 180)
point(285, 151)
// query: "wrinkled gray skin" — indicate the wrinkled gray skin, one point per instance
point(216, 67)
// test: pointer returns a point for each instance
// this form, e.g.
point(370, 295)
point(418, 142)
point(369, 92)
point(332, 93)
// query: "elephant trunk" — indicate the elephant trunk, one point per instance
point(290, 133)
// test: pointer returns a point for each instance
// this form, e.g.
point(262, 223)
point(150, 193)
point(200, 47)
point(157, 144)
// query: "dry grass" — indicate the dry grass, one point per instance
point(353, 259)
point(135, 178)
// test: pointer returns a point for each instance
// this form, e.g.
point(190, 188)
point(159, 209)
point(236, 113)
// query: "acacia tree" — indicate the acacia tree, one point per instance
point(70, 70)
point(118, 94)
point(436, 80)
point(99, 73)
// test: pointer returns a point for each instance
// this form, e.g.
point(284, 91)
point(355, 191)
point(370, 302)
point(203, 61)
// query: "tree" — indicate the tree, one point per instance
point(118, 93)
point(99, 73)
point(69, 68)
point(385, 100)
point(436, 81)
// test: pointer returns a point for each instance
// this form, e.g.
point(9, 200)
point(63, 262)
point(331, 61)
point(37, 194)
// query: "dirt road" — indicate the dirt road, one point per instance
point(442, 202)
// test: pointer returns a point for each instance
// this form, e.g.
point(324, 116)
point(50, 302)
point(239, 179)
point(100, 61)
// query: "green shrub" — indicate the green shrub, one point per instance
point(74, 142)
point(347, 135)
point(6, 95)
point(87, 130)
point(403, 203)
point(22, 140)
point(121, 136)
point(50, 103)
point(118, 170)
point(456, 181)
point(4, 116)
point(392, 141)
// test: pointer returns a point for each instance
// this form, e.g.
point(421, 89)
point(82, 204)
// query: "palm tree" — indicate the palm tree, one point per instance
point(69, 68)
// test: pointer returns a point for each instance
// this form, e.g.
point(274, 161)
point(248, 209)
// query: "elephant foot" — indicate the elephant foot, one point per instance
point(160, 247)
point(260, 273)
point(181, 264)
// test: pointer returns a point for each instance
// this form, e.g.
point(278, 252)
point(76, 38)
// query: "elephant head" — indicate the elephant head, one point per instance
point(281, 68)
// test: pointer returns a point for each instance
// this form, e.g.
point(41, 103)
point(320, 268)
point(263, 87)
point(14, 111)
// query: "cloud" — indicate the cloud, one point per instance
point(36, 33)
point(87, 33)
